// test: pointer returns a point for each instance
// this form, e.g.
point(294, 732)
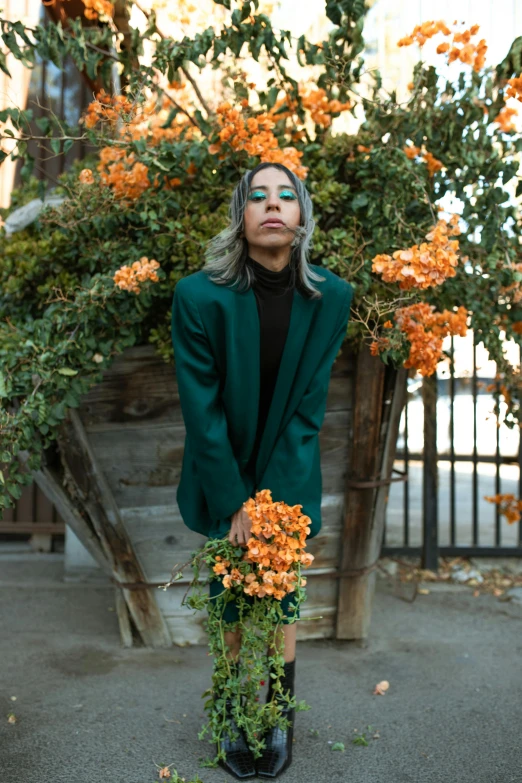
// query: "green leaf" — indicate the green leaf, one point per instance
point(67, 371)
point(338, 746)
point(3, 64)
point(360, 200)
point(43, 124)
point(56, 145)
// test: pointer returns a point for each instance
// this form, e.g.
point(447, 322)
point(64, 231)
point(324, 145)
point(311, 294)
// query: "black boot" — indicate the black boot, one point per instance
point(277, 755)
point(239, 759)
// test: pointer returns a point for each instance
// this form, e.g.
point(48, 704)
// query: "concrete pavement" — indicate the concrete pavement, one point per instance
point(90, 711)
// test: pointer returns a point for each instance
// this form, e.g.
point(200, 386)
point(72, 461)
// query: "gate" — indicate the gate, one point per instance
point(454, 451)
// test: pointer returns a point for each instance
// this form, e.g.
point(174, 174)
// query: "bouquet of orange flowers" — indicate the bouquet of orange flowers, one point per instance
point(267, 571)
point(275, 551)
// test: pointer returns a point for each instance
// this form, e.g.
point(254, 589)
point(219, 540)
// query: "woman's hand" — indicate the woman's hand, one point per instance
point(240, 528)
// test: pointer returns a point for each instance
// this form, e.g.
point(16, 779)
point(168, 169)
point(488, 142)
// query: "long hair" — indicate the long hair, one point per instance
point(226, 253)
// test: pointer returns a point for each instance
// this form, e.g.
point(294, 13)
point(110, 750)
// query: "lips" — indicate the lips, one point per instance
point(273, 223)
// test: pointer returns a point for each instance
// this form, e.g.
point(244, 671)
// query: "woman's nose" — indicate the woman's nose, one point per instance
point(272, 202)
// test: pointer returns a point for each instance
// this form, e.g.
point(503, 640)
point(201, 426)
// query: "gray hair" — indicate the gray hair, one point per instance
point(226, 253)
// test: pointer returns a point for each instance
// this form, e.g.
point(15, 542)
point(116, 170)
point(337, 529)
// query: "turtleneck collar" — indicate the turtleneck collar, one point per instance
point(269, 279)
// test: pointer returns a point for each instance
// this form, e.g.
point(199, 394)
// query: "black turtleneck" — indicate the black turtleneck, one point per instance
point(274, 294)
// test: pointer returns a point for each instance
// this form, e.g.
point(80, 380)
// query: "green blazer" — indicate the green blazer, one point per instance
point(216, 341)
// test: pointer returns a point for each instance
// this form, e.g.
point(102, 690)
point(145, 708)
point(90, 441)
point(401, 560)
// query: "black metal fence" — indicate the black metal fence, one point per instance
point(451, 465)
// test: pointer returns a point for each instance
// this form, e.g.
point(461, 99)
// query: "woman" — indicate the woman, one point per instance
point(255, 334)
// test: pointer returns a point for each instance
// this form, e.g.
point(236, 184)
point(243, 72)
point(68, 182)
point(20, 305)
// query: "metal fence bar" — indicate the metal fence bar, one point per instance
point(475, 454)
point(456, 551)
point(497, 472)
point(453, 498)
point(406, 486)
point(519, 453)
point(430, 553)
point(446, 457)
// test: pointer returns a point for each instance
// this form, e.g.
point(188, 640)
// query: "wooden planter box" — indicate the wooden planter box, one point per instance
point(115, 485)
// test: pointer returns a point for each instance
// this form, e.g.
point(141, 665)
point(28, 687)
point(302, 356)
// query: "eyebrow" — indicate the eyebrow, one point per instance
point(264, 187)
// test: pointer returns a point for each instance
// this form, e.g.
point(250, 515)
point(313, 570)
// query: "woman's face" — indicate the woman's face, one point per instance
point(272, 211)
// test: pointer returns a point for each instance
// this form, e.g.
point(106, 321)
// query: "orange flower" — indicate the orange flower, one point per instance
point(411, 152)
point(95, 8)
point(514, 88)
point(423, 266)
point(119, 170)
point(504, 119)
point(473, 54)
point(275, 549)
point(255, 135)
point(128, 278)
point(508, 506)
point(86, 177)
point(432, 163)
point(425, 330)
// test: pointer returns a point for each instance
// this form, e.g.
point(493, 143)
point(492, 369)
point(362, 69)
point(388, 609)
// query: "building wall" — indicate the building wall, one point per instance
point(13, 91)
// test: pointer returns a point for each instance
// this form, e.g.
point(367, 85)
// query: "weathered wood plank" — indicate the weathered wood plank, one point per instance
point(87, 482)
point(49, 482)
point(186, 626)
point(140, 459)
point(377, 409)
point(160, 539)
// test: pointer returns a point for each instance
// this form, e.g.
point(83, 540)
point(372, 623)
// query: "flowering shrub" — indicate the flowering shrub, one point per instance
point(159, 182)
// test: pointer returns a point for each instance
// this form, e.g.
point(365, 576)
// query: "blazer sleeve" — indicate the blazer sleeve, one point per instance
point(203, 413)
point(309, 414)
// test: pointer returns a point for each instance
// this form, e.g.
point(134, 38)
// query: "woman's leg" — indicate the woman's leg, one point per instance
point(285, 638)
point(277, 754)
point(233, 642)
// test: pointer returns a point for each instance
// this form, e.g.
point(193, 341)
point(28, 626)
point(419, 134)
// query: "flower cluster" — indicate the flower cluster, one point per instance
point(127, 177)
point(86, 177)
point(514, 88)
point(109, 108)
point(275, 547)
point(96, 8)
point(128, 278)
point(256, 137)
point(315, 100)
point(470, 53)
point(432, 163)
point(320, 108)
point(425, 330)
point(505, 119)
point(423, 266)
point(508, 506)
point(120, 171)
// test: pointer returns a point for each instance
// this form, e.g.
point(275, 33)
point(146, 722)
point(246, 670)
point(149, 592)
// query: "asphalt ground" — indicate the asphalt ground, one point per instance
point(90, 711)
